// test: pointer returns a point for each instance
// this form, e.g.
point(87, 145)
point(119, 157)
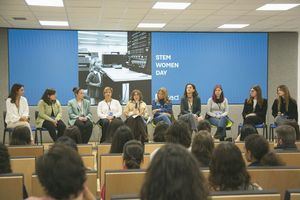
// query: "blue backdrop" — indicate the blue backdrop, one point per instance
point(235, 60)
point(42, 59)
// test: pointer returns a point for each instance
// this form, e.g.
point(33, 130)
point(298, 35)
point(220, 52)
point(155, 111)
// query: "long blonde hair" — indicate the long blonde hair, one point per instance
point(165, 93)
point(287, 97)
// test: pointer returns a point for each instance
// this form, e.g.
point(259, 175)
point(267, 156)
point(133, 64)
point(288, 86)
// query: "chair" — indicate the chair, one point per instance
point(263, 126)
point(39, 129)
point(6, 130)
point(271, 132)
point(292, 194)
point(246, 195)
point(26, 150)
point(11, 186)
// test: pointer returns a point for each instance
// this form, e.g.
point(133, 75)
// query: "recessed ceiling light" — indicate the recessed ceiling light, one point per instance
point(88, 32)
point(171, 5)
point(93, 39)
point(54, 23)
point(83, 42)
point(278, 6)
point(151, 25)
point(54, 3)
point(233, 25)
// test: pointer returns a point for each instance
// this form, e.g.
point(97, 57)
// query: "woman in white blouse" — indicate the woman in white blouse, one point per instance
point(108, 109)
point(17, 110)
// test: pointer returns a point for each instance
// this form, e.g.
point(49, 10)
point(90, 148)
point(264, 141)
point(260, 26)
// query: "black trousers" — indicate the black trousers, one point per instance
point(138, 127)
point(254, 120)
point(60, 128)
point(104, 123)
point(86, 129)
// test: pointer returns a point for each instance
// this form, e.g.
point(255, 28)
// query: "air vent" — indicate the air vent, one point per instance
point(19, 18)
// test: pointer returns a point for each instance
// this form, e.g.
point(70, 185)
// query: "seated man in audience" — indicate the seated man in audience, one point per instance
point(62, 174)
point(258, 152)
point(286, 137)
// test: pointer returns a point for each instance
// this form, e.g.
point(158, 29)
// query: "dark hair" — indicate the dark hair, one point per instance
point(228, 169)
point(76, 90)
point(138, 92)
point(204, 125)
point(214, 96)
point(122, 135)
point(4, 160)
point(133, 154)
point(260, 151)
point(48, 92)
point(112, 127)
point(202, 147)
point(179, 133)
point(247, 129)
point(271, 159)
point(195, 94)
point(66, 140)
point(61, 172)
point(74, 133)
point(287, 134)
point(21, 135)
point(259, 97)
point(13, 92)
point(174, 174)
point(257, 145)
point(159, 134)
point(295, 125)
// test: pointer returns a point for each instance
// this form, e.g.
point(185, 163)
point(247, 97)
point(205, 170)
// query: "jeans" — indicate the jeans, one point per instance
point(162, 117)
point(220, 123)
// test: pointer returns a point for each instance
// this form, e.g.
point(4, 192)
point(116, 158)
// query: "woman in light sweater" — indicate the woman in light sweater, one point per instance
point(218, 110)
point(17, 110)
point(108, 109)
point(136, 115)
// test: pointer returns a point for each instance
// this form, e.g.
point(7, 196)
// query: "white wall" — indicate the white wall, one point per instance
point(298, 75)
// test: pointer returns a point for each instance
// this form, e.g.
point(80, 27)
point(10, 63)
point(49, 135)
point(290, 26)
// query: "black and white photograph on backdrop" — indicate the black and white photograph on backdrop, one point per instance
point(121, 60)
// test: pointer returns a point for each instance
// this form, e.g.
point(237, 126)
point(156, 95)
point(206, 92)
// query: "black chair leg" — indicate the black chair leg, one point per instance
point(41, 137)
point(4, 133)
point(35, 137)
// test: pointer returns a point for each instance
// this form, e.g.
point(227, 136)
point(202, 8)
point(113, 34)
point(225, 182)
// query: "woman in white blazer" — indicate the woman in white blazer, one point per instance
point(17, 110)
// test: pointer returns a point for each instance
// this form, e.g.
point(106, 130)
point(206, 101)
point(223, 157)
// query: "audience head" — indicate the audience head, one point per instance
point(190, 88)
point(133, 154)
point(162, 94)
point(113, 126)
point(256, 147)
point(295, 125)
point(228, 169)
point(61, 172)
point(68, 141)
point(202, 147)
point(16, 90)
point(74, 133)
point(204, 125)
point(159, 134)
point(247, 129)
point(174, 174)
point(4, 160)
point(21, 135)
point(79, 93)
point(218, 94)
point(122, 135)
point(136, 95)
point(179, 133)
point(49, 96)
point(286, 135)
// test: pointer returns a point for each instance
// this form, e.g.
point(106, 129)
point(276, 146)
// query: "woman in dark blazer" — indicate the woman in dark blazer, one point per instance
point(284, 107)
point(255, 107)
point(190, 106)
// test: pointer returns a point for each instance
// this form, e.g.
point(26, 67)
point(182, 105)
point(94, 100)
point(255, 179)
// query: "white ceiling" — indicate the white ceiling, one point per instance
point(201, 15)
